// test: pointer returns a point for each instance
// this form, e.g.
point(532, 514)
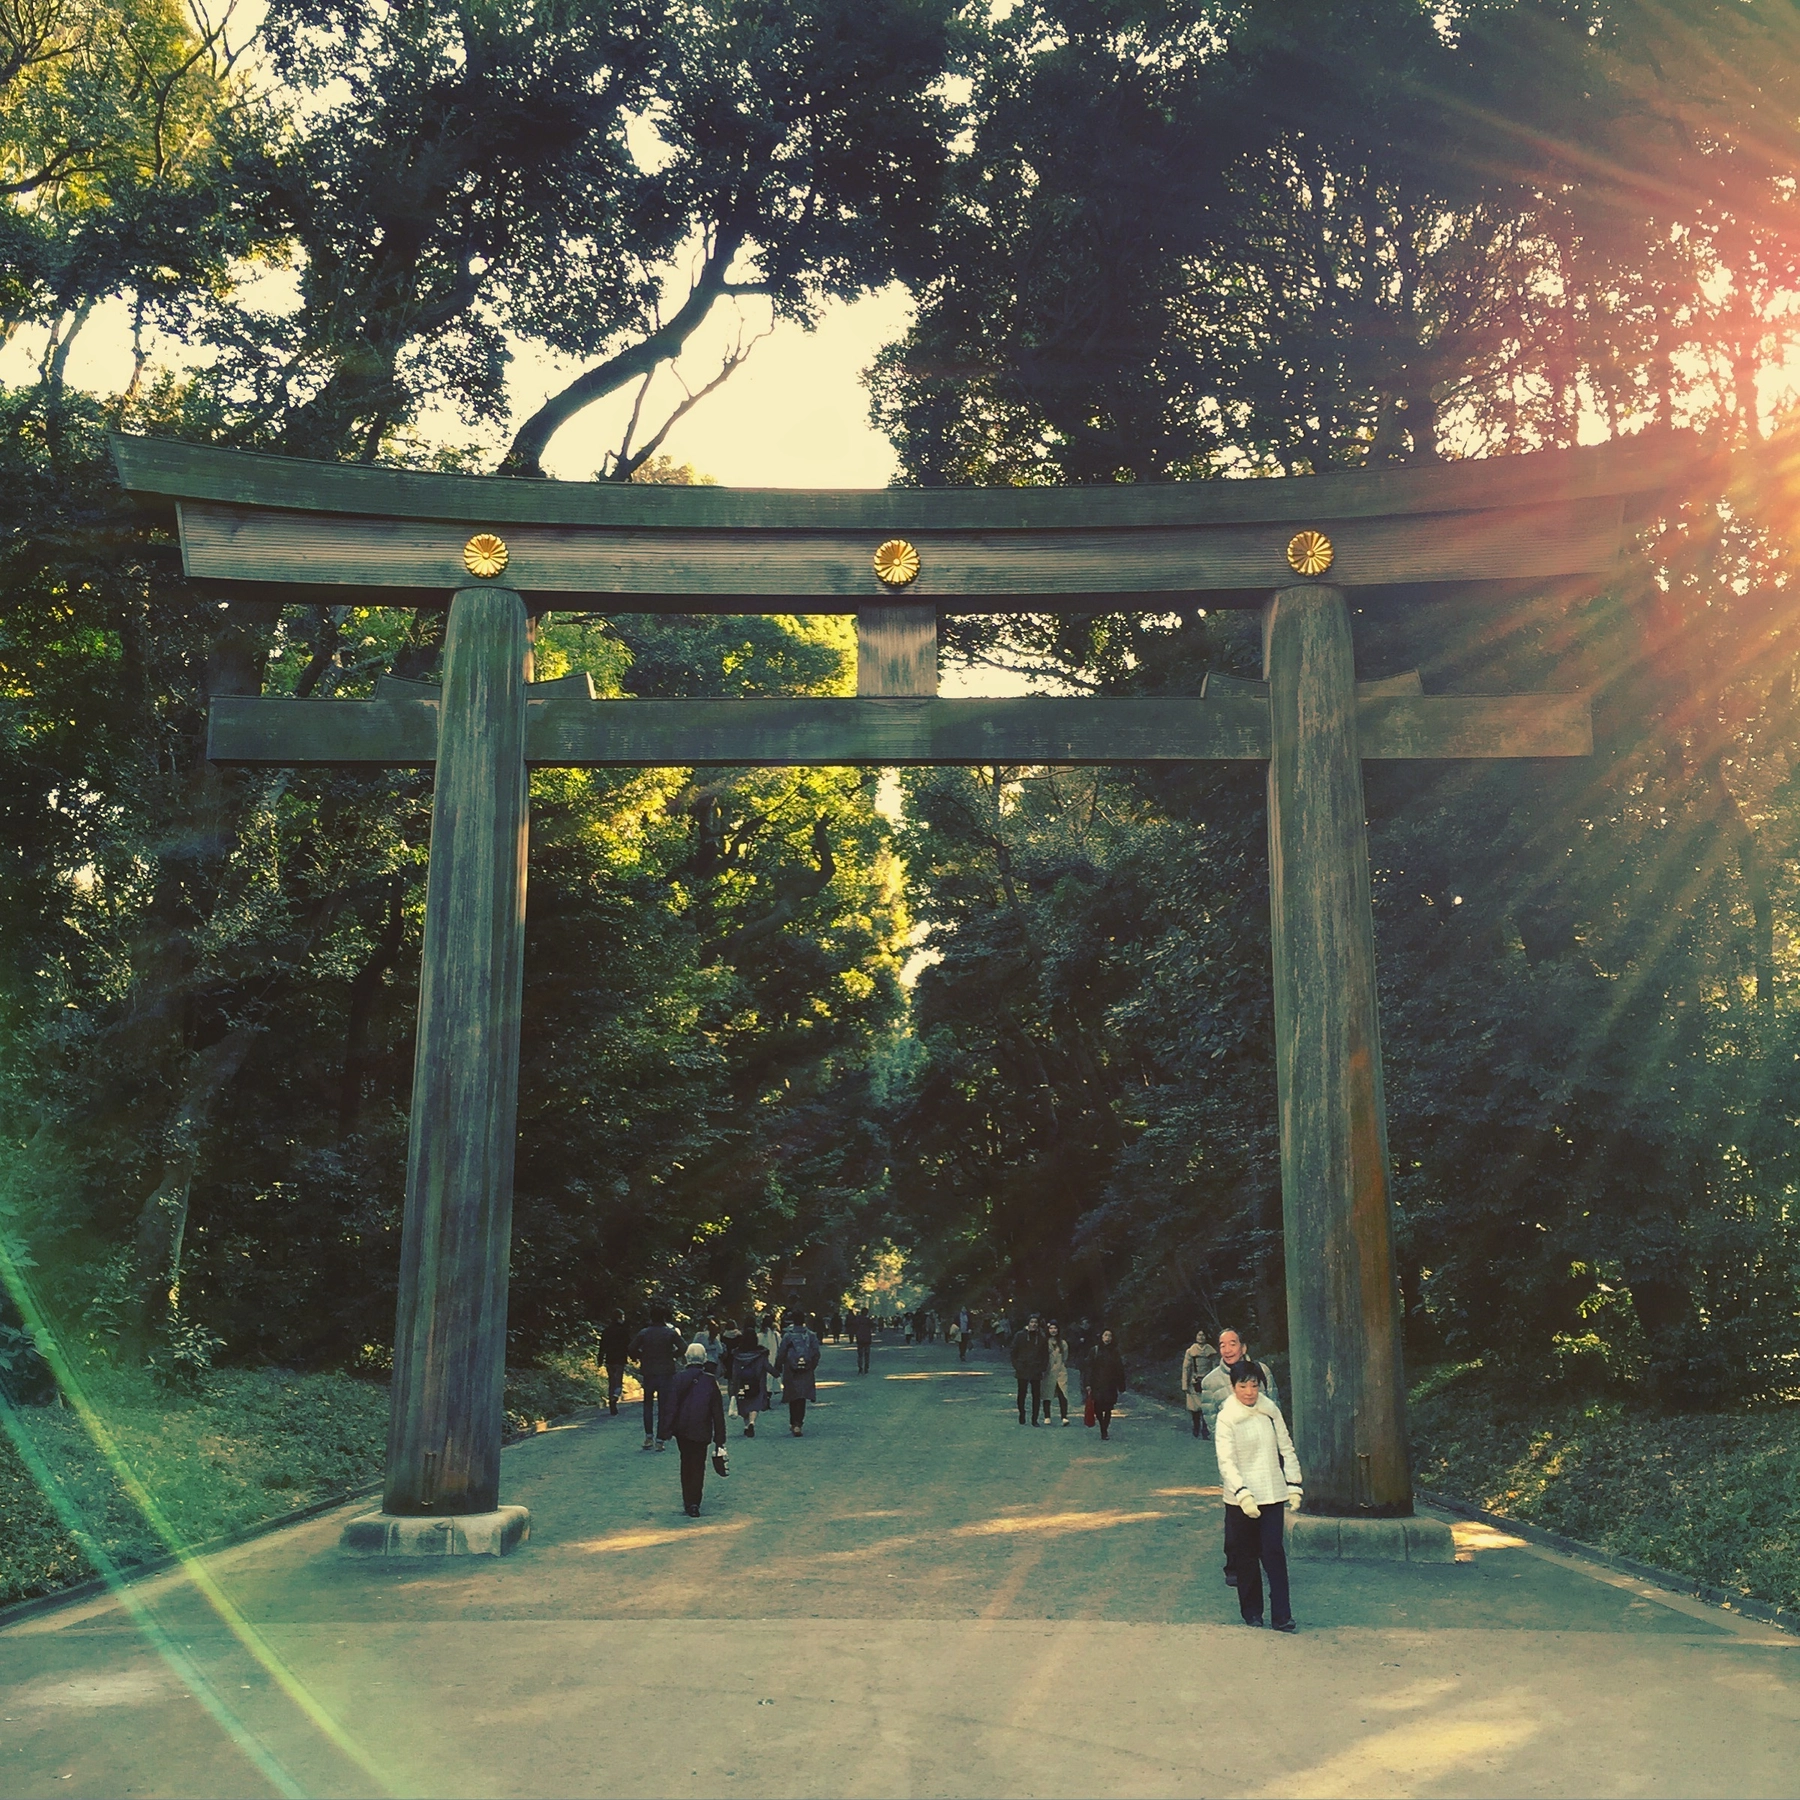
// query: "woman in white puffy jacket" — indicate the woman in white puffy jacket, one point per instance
point(1260, 1474)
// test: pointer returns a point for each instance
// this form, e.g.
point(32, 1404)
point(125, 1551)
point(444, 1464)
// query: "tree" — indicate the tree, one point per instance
point(449, 179)
point(1484, 229)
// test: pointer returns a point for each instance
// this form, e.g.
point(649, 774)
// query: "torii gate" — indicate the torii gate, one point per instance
point(269, 528)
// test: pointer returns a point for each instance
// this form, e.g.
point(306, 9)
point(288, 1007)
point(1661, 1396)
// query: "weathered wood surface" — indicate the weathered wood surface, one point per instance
point(896, 649)
point(450, 1336)
point(165, 469)
point(1343, 1296)
point(565, 729)
point(833, 571)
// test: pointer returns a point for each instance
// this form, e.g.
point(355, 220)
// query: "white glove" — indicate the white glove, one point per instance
point(1295, 1497)
point(1248, 1507)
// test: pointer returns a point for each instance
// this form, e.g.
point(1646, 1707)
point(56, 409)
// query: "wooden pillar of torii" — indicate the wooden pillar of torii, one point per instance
point(266, 528)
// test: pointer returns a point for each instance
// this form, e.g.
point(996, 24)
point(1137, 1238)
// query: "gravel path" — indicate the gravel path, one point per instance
point(918, 1597)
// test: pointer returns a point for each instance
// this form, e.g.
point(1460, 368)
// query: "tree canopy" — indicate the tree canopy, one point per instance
point(1148, 242)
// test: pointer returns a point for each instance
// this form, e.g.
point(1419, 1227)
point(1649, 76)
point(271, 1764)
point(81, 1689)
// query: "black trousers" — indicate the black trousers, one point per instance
point(654, 1388)
point(615, 1383)
point(862, 1359)
point(1251, 1546)
point(796, 1412)
point(1036, 1385)
point(962, 1348)
point(694, 1452)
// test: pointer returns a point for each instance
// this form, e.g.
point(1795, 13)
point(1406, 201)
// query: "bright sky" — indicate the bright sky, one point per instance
point(795, 415)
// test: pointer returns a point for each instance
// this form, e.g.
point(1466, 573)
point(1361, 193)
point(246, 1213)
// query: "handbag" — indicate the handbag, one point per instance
point(1087, 1414)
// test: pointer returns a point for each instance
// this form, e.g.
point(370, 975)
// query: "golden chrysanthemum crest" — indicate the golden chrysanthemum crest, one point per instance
point(485, 555)
point(896, 563)
point(1310, 553)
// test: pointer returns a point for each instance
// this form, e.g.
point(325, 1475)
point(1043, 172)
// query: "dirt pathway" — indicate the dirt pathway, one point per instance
point(918, 1597)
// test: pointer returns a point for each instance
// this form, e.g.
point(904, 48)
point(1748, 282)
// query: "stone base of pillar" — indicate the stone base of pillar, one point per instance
point(1314, 1538)
point(458, 1534)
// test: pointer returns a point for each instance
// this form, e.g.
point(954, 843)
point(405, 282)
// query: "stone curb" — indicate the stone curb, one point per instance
point(1784, 1618)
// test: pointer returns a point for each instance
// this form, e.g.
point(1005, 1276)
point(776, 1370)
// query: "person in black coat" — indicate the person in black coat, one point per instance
point(1105, 1379)
point(747, 1377)
point(615, 1351)
point(862, 1335)
point(655, 1350)
point(693, 1415)
point(797, 1363)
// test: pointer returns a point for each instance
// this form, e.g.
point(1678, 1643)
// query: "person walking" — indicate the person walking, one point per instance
point(965, 1326)
point(694, 1417)
point(1215, 1391)
point(615, 1350)
point(1196, 1364)
point(747, 1377)
point(654, 1350)
point(1217, 1383)
point(797, 1363)
point(1030, 1360)
point(862, 1334)
point(1260, 1475)
point(1105, 1381)
point(1056, 1371)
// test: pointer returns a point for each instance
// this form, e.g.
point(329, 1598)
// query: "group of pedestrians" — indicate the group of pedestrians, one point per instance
point(1231, 1398)
point(686, 1386)
point(1040, 1360)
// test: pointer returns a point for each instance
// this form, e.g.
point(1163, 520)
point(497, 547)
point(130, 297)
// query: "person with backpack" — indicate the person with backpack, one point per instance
point(615, 1350)
point(1030, 1361)
point(797, 1363)
point(654, 1350)
point(747, 1377)
point(694, 1416)
point(1260, 1475)
point(1196, 1364)
point(1105, 1381)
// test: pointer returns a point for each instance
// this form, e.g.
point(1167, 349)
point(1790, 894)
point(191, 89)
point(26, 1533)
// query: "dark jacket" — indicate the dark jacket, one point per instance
point(747, 1372)
point(615, 1344)
point(657, 1348)
point(1030, 1356)
point(1105, 1375)
point(693, 1408)
point(797, 1363)
point(862, 1331)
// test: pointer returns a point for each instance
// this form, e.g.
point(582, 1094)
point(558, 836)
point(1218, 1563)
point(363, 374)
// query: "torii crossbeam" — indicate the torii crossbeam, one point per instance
point(266, 528)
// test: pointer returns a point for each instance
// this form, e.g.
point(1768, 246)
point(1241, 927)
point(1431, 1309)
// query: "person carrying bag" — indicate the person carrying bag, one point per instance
point(1196, 1364)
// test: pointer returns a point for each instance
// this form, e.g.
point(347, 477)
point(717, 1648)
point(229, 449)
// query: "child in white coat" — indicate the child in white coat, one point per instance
point(1261, 1477)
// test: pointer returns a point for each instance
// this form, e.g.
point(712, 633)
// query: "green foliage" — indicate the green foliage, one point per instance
point(1280, 237)
point(254, 1445)
point(1708, 1493)
point(1194, 244)
point(183, 1360)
